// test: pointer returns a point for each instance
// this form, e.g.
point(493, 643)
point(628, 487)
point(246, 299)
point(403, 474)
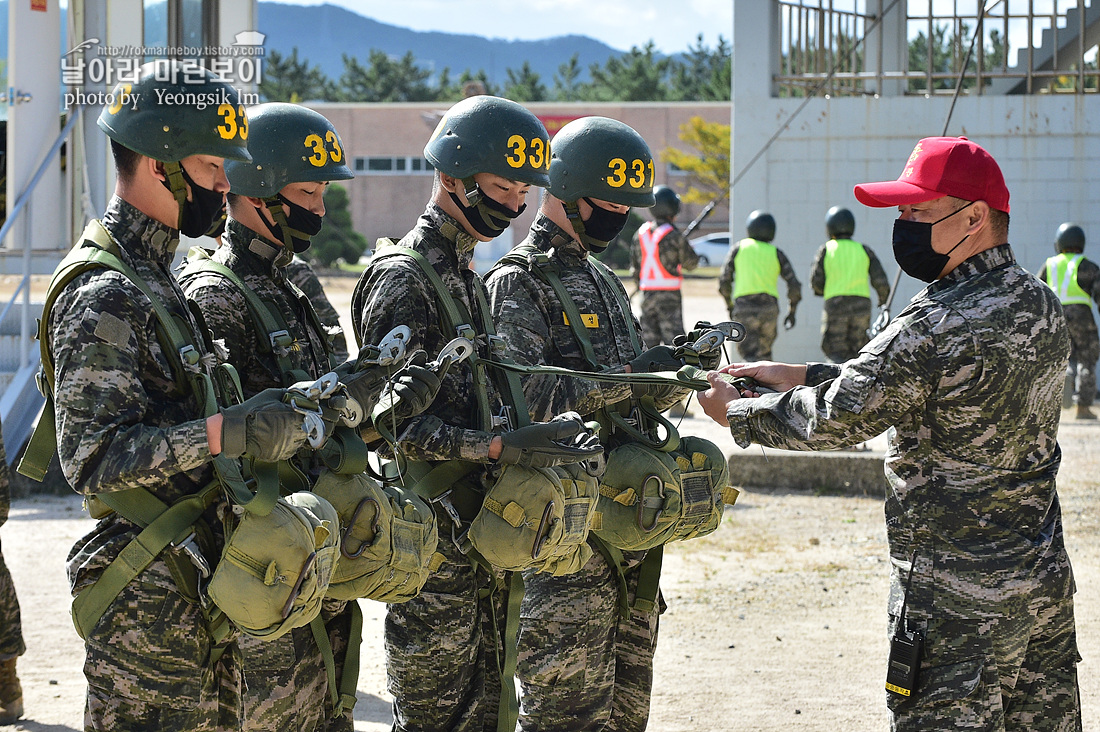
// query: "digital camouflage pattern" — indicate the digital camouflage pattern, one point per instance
point(305, 279)
point(580, 663)
point(11, 625)
point(123, 421)
point(759, 313)
point(1083, 338)
point(663, 310)
point(846, 318)
point(286, 686)
point(971, 401)
point(440, 649)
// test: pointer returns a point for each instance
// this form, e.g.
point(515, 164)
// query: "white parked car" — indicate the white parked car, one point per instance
point(712, 249)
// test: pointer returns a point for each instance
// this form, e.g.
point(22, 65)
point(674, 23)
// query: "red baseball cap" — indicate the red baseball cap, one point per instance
point(941, 166)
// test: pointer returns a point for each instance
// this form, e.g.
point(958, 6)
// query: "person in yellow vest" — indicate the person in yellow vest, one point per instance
point(749, 284)
point(1076, 281)
point(839, 274)
point(659, 253)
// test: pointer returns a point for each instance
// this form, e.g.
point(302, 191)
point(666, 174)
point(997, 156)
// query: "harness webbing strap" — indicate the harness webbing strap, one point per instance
point(342, 693)
point(649, 578)
point(508, 709)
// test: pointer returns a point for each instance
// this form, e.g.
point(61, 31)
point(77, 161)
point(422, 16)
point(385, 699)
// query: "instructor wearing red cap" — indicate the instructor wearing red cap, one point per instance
point(968, 381)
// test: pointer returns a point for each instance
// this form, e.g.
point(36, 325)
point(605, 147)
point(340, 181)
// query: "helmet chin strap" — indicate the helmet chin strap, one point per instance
point(173, 171)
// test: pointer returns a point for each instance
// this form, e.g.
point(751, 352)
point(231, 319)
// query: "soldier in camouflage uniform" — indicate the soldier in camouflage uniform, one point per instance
point(441, 646)
point(126, 422)
point(839, 274)
point(276, 203)
point(659, 254)
point(581, 664)
point(972, 401)
point(11, 626)
point(305, 279)
point(1076, 281)
point(749, 286)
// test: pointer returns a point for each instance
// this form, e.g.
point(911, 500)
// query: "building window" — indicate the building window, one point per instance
point(391, 165)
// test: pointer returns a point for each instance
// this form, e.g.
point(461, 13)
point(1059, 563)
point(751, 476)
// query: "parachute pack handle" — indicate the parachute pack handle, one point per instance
point(658, 504)
point(546, 525)
point(346, 533)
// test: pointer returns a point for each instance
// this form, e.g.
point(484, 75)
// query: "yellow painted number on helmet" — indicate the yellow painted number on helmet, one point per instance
point(337, 154)
point(638, 179)
point(539, 157)
point(320, 155)
point(618, 173)
point(228, 128)
point(518, 146)
point(122, 97)
point(650, 166)
point(243, 123)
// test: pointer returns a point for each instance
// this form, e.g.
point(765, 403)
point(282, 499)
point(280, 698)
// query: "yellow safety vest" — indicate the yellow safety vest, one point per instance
point(846, 267)
point(756, 269)
point(1062, 278)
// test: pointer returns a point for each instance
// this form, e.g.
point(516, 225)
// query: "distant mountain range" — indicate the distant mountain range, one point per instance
point(334, 31)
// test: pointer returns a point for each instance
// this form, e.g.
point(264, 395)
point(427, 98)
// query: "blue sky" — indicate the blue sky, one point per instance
point(672, 25)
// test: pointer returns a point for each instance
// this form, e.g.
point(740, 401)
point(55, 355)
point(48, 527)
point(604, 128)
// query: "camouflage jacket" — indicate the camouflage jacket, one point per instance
point(305, 279)
point(674, 251)
point(393, 292)
point(972, 400)
point(786, 271)
point(880, 283)
point(123, 420)
point(230, 321)
point(530, 318)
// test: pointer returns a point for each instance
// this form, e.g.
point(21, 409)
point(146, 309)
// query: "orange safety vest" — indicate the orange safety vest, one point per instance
point(653, 275)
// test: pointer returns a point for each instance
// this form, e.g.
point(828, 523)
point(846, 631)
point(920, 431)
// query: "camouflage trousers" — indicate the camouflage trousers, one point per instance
point(1084, 352)
point(759, 314)
point(662, 316)
point(148, 664)
point(286, 684)
point(1013, 672)
point(844, 325)
point(441, 648)
point(11, 625)
point(581, 665)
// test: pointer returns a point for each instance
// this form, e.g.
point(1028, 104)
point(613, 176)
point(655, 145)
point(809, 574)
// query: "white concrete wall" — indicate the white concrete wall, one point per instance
point(1047, 146)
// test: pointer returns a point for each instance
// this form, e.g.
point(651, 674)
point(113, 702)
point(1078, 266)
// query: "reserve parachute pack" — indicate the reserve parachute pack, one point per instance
point(293, 579)
point(653, 490)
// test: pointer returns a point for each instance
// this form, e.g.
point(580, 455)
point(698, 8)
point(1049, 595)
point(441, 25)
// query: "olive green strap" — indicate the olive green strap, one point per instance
point(508, 708)
point(342, 694)
point(686, 377)
point(649, 579)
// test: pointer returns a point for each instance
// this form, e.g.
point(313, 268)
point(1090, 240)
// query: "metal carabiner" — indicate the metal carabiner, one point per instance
point(392, 346)
point(641, 503)
point(189, 547)
point(457, 350)
point(354, 518)
point(545, 526)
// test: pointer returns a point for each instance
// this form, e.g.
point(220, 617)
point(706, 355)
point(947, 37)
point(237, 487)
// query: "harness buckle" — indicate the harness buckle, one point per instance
point(190, 547)
point(281, 342)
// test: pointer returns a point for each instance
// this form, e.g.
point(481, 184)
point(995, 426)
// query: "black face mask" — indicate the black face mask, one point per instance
point(488, 217)
point(913, 248)
point(602, 226)
point(197, 216)
point(218, 227)
point(302, 225)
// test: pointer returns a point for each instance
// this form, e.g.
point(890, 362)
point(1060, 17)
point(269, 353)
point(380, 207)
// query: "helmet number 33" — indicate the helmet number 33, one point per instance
point(322, 153)
point(536, 158)
point(233, 122)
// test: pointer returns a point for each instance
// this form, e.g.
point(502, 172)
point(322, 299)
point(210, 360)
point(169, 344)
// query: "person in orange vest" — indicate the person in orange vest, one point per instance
point(659, 253)
point(1076, 281)
point(749, 284)
point(839, 274)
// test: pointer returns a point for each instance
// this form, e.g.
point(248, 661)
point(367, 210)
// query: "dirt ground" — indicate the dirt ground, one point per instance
point(776, 621)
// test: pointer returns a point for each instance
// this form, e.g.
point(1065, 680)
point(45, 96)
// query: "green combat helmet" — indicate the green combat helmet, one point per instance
point(1070, 238)
point(760, 226)
point(597, 157)
point(289, 144)
point(173, 111)
point(486, 134)
point(666, 203)
point(839, 223)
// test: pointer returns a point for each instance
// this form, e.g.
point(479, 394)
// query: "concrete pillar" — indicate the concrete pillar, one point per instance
point(887, 44)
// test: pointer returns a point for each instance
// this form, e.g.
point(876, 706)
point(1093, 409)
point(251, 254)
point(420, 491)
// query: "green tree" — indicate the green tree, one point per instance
point(385, 80)
point(567, 81)
point(290, 79)
point(525, 85)
point(635, 76)
point(337, 239)
point(709, 170)
point(703, 75)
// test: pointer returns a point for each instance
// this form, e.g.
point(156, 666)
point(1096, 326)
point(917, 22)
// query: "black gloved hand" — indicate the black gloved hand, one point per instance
point(413, 391)
point(366, 386)
point(788, 322)
point(263, 427)
point(658, 358)
point(564, 439)
point(709, 360)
